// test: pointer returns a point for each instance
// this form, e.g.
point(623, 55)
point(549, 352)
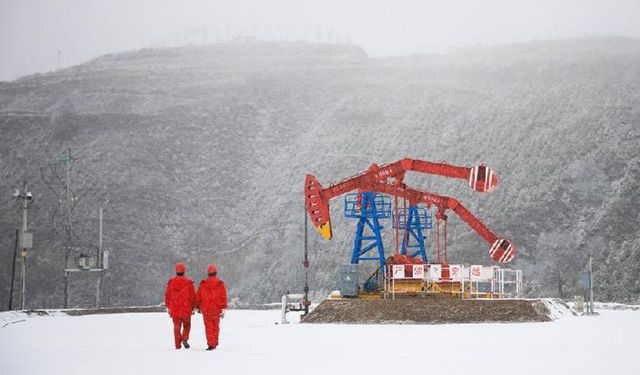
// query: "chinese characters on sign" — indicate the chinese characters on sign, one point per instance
point(398, 271)
point(418, 271)
point(435, 272)
point(481, 273)
point(475, 272)
point(455, 272)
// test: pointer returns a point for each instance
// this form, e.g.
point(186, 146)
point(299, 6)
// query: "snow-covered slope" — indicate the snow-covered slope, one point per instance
point(251, 343)
point(203, 152)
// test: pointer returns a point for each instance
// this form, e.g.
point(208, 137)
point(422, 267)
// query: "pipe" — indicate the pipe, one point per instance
point(286, 298)
point(285, 302)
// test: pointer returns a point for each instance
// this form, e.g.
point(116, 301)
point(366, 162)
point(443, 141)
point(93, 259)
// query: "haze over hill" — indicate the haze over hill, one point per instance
point(202, 152)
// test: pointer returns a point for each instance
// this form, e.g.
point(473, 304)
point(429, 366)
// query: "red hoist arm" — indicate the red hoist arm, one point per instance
point(481, 178)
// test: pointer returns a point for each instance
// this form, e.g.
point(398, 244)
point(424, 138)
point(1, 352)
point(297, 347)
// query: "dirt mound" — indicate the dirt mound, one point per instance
point(427, 311)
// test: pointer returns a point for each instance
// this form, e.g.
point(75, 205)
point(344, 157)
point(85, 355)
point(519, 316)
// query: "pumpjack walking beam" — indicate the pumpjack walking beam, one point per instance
point(480, 178)
point(389, 179)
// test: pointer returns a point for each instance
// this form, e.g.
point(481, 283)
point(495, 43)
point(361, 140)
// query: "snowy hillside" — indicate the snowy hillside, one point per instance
point(202, 152)
point(252, 344)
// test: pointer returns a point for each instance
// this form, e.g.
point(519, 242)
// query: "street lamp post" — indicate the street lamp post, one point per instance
point(25, 200)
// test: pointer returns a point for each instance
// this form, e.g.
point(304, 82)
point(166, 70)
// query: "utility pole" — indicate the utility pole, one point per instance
point(100, 213)
point(25, 200)
point(103, 256)
point(84, 262)
point(305, 302)
point(590, 285)
point(68, 231)
point(587, 286)
point(23, 253)
point(66, 158)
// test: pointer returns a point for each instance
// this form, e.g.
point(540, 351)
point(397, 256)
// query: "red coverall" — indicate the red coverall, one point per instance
point(211, 299)
point(180, 298)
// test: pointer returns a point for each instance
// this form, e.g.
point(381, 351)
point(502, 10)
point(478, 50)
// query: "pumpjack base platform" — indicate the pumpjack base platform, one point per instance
point(427, 310)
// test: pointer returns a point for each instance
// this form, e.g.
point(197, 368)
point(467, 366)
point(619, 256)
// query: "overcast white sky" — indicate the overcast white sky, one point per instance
point(33, 31)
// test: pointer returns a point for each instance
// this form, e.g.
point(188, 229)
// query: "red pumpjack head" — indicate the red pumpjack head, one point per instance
point(317, 208)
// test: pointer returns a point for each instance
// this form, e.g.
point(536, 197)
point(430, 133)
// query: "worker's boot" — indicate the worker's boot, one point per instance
point(186, 345)
point(211, 347)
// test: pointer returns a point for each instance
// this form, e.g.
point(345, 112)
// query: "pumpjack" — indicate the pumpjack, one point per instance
point(369, 204)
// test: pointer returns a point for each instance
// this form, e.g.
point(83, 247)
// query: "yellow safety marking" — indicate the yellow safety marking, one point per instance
point(325, 230)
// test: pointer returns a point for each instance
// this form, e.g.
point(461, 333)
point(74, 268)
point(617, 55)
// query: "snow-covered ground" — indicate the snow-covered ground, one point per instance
point(251, 343)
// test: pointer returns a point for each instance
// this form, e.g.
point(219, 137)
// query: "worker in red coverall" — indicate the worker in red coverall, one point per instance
point(179, 298)
point(211, 301)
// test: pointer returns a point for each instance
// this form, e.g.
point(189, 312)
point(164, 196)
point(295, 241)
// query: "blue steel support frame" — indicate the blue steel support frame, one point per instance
point(413, 229)
point(370, 211)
